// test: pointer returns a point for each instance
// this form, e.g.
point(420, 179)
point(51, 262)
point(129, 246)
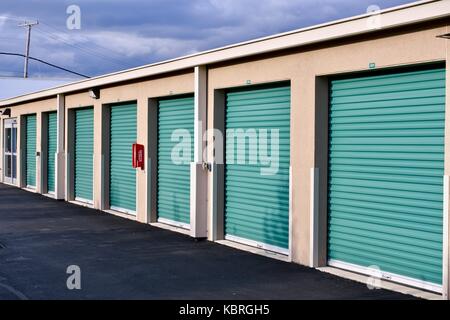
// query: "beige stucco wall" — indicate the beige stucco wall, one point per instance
point(301, 69)
point(37, 107)
point(139, 92)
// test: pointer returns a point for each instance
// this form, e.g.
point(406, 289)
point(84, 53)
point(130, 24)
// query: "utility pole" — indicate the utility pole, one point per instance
point(28, 25)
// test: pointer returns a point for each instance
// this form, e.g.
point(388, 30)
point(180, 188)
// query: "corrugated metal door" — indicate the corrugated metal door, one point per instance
point(30, 151)
point(256, 200)
point(173, 173)
point(386, 167)
point(51, 150)
point(84, 149)
point(122, 184)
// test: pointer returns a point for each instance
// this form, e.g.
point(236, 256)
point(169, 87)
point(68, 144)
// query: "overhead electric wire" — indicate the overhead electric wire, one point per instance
point(44, 62)
point(67, 33)
point(101, 50)
point(85, 50)
point(56, 36)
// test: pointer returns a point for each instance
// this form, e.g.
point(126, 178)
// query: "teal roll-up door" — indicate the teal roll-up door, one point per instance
point(256, 200)
point(122, 183)
point(84, 150)
point(30, 150)
point(174, 174)
point(386, 167)
point(51, 150)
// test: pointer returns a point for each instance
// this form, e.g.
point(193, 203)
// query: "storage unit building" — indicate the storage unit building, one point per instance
point(324, 146)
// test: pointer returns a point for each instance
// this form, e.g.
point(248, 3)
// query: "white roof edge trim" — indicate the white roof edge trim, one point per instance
point(406, 14)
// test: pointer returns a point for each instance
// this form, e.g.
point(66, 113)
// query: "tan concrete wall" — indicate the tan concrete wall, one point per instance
point(302, 69)
point(140, 92)
point(37, 107)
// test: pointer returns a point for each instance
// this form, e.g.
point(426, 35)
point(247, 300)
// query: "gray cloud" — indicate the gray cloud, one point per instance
point(121, 34)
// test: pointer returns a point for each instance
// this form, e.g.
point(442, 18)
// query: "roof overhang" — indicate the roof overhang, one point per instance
point(404, 15)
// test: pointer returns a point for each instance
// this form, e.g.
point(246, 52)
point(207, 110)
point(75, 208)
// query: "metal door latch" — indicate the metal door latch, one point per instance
point(206, 166)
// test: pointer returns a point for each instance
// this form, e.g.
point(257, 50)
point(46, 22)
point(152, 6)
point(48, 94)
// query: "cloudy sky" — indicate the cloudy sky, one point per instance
point(120, 34)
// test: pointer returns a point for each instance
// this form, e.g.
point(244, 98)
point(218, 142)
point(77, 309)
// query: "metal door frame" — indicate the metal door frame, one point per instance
point(10, 124)
point(368, 271)
point(222, 95)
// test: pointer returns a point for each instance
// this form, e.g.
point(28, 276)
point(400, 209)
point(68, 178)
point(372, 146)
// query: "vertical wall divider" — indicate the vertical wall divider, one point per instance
point(216, 150)
point(445, 264)
point(213, 203)
point(70, 155)
point(291, 211)
point(105, 149)
point(43, 156)
point(152, 161)
point(314, 218)
point(199, 174)
point(60, 149)
point(21, 161)
point(321, 164)
point(446, 204)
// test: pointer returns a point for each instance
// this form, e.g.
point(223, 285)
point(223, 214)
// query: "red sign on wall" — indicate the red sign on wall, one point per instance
point(138, 156)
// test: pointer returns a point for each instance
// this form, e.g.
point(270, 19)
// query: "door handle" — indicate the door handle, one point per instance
point(206, 166)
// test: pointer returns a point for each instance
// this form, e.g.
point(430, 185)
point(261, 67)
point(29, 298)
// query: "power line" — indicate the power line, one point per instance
point(98, 53)
point(87, 51)
point(100, 49)
point(44, 62)
point(94, 49)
